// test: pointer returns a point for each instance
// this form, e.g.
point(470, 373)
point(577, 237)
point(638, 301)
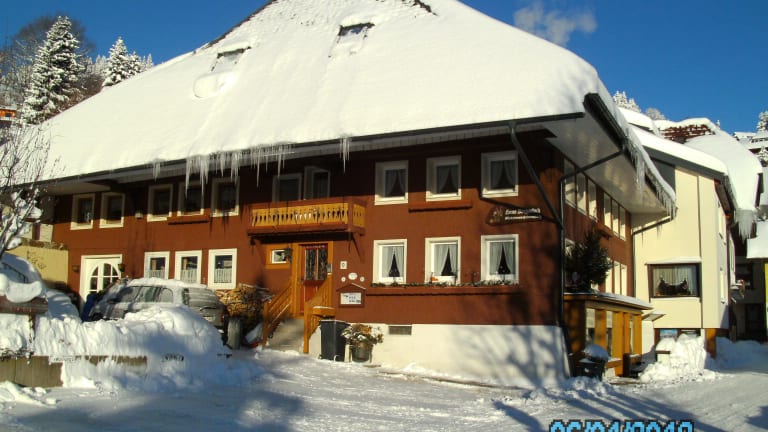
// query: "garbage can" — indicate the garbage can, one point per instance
point(332, 344)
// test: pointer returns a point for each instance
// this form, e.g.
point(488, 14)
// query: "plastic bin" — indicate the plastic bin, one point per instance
point(333, 345)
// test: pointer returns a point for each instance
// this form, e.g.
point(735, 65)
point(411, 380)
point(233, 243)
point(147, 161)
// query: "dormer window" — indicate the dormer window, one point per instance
point(227, 60)
point(350, 38)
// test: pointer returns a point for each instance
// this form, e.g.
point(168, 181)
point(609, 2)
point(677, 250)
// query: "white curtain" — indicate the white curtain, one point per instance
point(445, 252)
point(394, 181)
point(392, 262)
point(677, 275)
point(502, 174)
point(496, 256)
point(447, 179)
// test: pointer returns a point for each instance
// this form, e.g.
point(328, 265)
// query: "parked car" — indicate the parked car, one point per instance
point(133, 295)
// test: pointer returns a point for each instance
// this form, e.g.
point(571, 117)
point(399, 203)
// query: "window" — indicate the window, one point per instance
point(624, 280)
point(674, 280)
point(499, 174)
point(156, 264)
point(159, 206)
point(622, 223)
point(111, 210)
point(188, 266)
point(226, 60)
point(607, 210)
point(581, 193)
point(190, 200)
point(592, 196)
point(225, 197)
point(442, 259)
point(499, 258)
point(82, 211)
point(389, 258)
point(609, 280)
point(616, 277)
point(570, 184)
point(392, 182)
point(222, 268)
point(615, 217)
point(444, 178)
point(286, 187)
point(318, 183)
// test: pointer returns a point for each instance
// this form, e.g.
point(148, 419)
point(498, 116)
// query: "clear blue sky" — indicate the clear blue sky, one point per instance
point(688, 58)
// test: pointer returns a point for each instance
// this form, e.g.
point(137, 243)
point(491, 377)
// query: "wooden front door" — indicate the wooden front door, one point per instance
point(314, 262)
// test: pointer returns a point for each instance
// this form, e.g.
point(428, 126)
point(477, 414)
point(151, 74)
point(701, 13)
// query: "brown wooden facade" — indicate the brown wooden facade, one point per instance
point(344, 226)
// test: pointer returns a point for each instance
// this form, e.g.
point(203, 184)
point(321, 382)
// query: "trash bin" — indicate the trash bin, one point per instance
point(332, 344)
point(592, 368)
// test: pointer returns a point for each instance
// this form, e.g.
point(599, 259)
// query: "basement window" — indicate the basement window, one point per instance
point(350, 38)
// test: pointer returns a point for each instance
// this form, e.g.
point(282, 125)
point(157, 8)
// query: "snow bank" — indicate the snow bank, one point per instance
point(687, 360)
point(741, 355)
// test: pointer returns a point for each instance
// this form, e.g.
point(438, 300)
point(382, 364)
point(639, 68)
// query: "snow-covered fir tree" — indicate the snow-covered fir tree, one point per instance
point(55, 75)
point(655, 114)
point(620, 99)
point(119, 64)
point(762, 155)
point(762, 122)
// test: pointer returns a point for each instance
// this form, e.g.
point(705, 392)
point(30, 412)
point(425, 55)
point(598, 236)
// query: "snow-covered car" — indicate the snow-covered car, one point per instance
point(133, 295)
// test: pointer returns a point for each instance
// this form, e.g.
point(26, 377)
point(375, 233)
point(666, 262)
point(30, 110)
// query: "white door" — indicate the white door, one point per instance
point(98, 273)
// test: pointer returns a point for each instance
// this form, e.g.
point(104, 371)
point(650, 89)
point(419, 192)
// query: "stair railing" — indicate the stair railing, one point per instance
point(324, 298)
point(276, 310)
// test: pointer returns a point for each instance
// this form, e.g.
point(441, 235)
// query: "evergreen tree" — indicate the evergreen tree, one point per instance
point(55, 75)
point(588, 262)
point(762, 123)
point(119, 64)
point(655, 114)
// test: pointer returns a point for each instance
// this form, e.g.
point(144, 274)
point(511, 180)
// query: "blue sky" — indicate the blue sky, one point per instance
point(686, 58)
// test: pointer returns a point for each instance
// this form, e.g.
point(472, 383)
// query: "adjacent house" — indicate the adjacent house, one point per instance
point(410, 164)
point(687, 266)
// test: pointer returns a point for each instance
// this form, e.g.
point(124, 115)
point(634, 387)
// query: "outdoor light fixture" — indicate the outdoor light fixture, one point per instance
point(76, 268)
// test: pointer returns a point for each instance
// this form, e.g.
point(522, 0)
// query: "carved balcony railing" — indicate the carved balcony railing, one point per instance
point(345, 215)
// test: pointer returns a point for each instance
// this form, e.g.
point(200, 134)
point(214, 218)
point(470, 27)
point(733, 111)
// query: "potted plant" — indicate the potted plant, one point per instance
point(361, 339)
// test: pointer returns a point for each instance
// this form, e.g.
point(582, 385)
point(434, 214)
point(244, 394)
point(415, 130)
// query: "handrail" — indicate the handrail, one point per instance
point(323, 297)
point(275, 310)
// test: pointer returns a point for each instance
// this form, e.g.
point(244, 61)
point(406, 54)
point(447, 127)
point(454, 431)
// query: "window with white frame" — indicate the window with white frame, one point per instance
point(222, 268)
point(82, 211)
point(609, 280)
point(499, 174)
point(392, 182)
point(112, 208)
point(624, 280)
point(224, 197)
point(442, 259)
point(622, 223)
point(156, 264)
point(615, 217)
point(286, 187)
point(190, 199)
point(592, 196)
point(187, 266)
point(499, 258)
point(616, 277)
point(581, 193)
point(159, 204)
point(444, 178)
point(607, 218)
point(389, 258)
point(570, 183)
point(317, 183)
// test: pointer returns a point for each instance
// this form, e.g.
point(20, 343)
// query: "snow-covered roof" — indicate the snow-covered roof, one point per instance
point(744, 171)
point(301, 73)
point(680, 151)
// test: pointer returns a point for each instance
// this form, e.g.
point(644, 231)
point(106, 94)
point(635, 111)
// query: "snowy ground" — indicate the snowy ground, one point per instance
point(291, 392)
point(273, 391)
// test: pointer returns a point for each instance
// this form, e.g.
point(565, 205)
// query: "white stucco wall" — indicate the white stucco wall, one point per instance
point(511, 355)
point(698, 232)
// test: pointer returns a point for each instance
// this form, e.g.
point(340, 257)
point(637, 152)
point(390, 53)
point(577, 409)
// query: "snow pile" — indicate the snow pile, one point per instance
point(741, 355)
point(686, 362)
point(596, 353)
point(543, 398)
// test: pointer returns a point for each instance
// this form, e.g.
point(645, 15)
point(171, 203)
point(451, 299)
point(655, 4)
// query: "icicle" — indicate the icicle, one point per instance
point(344, 149)
point(156, 165)
point(744, 220)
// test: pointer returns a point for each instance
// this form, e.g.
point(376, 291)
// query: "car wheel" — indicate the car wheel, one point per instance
point(234, 332)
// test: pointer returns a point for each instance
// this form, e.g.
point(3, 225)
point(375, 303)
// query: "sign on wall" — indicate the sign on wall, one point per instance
point(507, 215)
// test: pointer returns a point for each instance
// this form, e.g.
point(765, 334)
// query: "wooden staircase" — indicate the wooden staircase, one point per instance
point(289, 331)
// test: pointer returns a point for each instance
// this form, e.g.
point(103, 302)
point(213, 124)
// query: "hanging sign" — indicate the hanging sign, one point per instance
point(504, 215)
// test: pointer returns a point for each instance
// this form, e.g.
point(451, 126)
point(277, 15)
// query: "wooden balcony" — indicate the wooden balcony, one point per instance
point(317, 216)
